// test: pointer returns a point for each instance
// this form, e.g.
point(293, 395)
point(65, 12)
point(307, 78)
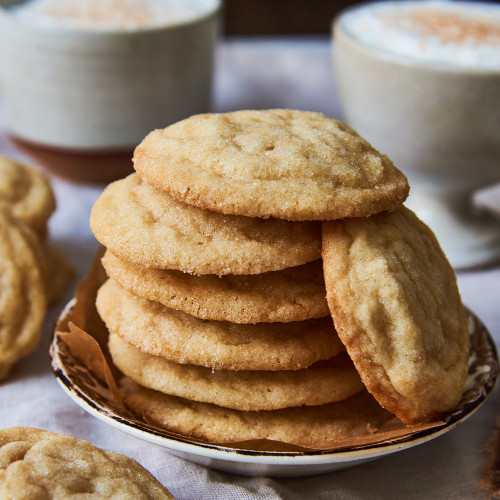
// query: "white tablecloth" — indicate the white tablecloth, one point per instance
point(259, 73)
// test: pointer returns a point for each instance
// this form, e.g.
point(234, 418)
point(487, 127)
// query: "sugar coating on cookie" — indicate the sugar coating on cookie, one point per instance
point(309, 426)
point(148, 227)
point(283, 163)
point(22, 292)
point(293, 294)
point(182, 338)
point(394, 300)
point(25, 193)
point(39, 464)
point(323, 382)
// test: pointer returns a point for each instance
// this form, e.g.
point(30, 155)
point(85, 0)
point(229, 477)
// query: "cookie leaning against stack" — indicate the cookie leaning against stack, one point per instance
point(34, 272)
point(407, 331)
point(214, 303)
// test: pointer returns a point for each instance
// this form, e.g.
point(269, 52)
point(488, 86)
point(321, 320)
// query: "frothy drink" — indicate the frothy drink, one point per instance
point(421, 81)
point(107, 14)
point(451, 33)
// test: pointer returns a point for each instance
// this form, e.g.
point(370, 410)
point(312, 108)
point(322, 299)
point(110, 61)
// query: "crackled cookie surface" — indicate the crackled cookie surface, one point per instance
point(395, 302)
point(182, 338)
point(22, 292)
point(293, 294)
point(148, 227)
point(324, 382)
point(309, 426)
point(26, 194)
point(37, 464)
point(282, 163)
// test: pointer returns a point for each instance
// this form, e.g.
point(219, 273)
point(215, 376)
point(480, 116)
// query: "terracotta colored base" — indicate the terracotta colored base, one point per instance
point(78, 166)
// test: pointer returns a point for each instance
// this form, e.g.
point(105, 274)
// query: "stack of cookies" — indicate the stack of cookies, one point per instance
point(34, 273)
point(215, 301)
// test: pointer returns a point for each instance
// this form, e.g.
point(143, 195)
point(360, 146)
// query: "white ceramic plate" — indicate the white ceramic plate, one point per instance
point(95, 397)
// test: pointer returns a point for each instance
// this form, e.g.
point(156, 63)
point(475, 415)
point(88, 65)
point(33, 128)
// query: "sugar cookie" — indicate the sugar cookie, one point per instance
point(395, 303)
point(182, 338)
point(282, 163)
point(26, 194)
point(309, 426)
point(293, 294)
point(323, 382)
point(41, 464)
point(148, 227)
point(22, 294)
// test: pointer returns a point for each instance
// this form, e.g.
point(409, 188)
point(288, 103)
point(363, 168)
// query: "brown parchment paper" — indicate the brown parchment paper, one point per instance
point(85, 335)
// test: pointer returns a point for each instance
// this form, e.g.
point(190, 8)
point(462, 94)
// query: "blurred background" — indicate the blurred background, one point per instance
point(280, 17)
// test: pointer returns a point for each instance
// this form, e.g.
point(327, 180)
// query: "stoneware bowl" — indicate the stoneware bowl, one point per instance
point(80, 90)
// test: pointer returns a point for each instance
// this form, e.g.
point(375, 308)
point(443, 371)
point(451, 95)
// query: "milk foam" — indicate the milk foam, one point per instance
point(463, 34)
point(110, 14)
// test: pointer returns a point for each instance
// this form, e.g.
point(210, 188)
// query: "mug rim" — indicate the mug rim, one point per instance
point(338, 30)
point(213, 8)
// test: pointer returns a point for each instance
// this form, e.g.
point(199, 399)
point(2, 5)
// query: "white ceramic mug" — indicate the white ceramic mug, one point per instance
point(439, 121)
point(102, 90)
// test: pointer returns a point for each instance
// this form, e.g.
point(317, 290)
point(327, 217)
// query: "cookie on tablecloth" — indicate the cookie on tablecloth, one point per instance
point(26, 194)
point(39, 464)
point(22, 294)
